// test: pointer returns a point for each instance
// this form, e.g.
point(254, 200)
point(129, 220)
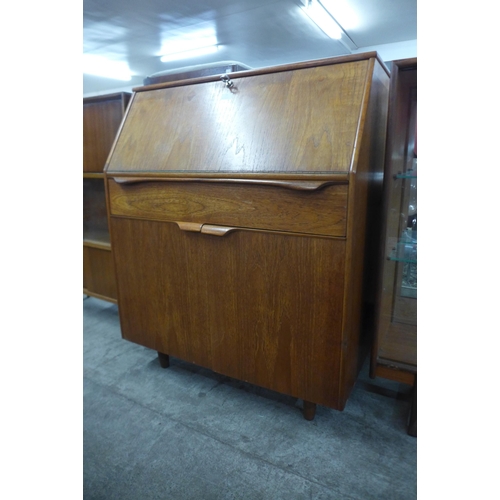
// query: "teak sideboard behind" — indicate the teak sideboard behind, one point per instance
point(102, 117)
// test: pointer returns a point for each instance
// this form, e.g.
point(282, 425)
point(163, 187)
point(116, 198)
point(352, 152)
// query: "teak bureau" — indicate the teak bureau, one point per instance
point(241, 208)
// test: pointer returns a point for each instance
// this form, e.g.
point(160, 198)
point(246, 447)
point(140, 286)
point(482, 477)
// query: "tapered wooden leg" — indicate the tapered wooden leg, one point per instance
point(164, 360)
point(309, 410)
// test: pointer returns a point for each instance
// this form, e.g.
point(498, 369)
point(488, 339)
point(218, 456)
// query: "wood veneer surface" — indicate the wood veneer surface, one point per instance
point(257, 306)
point(228, 285)
point(321, 211)
point(101, 121)
point(249, 129)
point(98, 273)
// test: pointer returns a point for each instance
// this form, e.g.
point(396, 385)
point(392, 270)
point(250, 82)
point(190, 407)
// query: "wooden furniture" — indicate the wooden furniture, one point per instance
point(394, 354)
point(101, 119)
point(238, 210)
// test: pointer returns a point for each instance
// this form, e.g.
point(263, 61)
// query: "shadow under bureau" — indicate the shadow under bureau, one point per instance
point(243, 209)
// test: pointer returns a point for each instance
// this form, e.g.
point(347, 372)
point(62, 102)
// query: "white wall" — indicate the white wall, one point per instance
point(393, 51)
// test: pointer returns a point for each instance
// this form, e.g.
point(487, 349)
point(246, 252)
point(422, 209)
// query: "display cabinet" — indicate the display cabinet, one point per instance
point(239, 208)
point(394, 353)
point(101, 120)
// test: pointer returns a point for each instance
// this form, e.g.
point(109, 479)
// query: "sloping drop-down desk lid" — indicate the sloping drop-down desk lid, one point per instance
point(291, 120)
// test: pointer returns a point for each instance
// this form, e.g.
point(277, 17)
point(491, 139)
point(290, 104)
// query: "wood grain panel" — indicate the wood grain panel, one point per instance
point(258, 306)
point(98, 273)
point(163, 298)
point(260, 207)
point(365, 190)
point(294, 121)
point(101, 120)
point(278, 323)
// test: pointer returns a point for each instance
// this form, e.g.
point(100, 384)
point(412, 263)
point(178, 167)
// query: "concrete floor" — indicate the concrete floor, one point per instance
point(187, 433)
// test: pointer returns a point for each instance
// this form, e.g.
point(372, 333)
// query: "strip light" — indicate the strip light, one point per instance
point(193, 44)
point(106, 68)
point(187, 54)
point(323, 19)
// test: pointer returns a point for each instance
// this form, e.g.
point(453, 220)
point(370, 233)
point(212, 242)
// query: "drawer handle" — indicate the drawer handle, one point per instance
point(196, 227)
point(216, 230)
point(296, 185)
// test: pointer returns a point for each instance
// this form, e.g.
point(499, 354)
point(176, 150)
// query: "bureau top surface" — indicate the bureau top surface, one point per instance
point(302, 119)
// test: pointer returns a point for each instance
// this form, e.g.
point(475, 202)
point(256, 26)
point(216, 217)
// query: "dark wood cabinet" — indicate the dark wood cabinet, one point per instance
point(102, 117)
point(239, 212)
point(394, 353)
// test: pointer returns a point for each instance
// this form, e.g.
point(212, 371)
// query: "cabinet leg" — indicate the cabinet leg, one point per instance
point(164, 360)
point(309, 410)
point(412, 421)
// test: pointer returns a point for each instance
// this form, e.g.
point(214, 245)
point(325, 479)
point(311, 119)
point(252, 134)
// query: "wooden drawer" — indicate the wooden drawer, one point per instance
point(298, 207)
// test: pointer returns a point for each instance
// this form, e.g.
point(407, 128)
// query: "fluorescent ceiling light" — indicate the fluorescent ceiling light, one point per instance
point(186, 54)
point(323, 19)
point(193, 44)
point(106, 68)
point(342, 12)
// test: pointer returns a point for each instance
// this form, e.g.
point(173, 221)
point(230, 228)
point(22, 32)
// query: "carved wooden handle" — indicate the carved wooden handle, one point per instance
point(212, 229)
point(216, 230)
point(190, 226)
point(289, 184)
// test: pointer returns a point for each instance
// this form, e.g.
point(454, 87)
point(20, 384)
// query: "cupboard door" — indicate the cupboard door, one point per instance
point(258, 306)
point(98, 273)
point(396, 340)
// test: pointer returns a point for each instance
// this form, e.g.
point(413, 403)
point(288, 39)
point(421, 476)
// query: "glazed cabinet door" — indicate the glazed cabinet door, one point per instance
point(259, 306)
point(396, 341)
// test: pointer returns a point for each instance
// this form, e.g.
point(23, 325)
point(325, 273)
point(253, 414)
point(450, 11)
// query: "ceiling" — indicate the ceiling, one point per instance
point(257, 33)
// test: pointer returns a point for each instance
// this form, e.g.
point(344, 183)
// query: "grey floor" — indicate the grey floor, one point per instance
point(187, 433)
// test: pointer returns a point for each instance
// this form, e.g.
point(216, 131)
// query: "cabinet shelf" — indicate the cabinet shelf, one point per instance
point(97, 240)
point(406, 175)
point(93, 175)
point(405, 250)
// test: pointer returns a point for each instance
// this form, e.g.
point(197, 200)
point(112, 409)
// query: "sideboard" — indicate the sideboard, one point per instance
point(102, 116)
